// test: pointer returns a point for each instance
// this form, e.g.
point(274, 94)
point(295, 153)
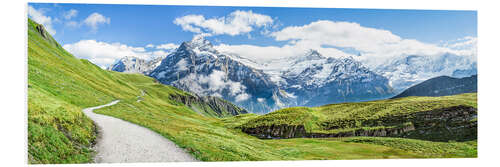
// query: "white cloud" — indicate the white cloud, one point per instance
point(262, 54)
point(378, 49)
point(39, 17)
point(215, 83)
point(182, 65)
point(215, 80)
point(466, 45)
point(340, 34)
point(150, 46)
point(72, 24)
point(242, 97)
point(160, 53)
point(104, 54)
point(95, 19)
point(376, 45)
point(70, 14)
point(261, 100)
point(167, 46)
point(236, 23)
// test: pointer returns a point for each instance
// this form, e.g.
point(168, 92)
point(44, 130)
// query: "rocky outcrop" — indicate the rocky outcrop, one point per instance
point(444, 124)
point(298, 131)
point(277, 131)
point(45, 34)
point(207, 104)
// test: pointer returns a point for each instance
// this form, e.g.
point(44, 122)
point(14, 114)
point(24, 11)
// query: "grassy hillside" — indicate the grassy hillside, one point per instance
point(394, 115)
point(423, 148)
point(350, 115)
point(60, 86)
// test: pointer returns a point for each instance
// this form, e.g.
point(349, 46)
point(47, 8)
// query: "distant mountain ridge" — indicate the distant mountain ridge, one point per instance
point(407, 70)
point(442, 86)
point(197, 67)
point(311, 80)
point(308, 79)
point(135, 65)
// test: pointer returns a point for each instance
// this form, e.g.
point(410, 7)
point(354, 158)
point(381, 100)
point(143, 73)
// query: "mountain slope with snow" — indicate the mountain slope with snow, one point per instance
point(309, 79)
point(318, 80)
point(261, 87)
point(197, 67)
point(135, 65)
point(406, 71)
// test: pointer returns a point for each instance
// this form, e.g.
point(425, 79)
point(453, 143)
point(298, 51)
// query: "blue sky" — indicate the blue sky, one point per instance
point(140, 25)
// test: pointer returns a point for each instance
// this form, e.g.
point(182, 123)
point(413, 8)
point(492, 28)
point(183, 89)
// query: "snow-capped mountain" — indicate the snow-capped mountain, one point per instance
point(409, 70)
point(309, 79)
point(261, 87)
point(135, 65)
point(313, 79)
point(197, 67)
point(318, 80)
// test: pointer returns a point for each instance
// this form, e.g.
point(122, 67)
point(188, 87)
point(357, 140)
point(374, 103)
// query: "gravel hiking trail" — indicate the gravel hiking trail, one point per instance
point(120, 141)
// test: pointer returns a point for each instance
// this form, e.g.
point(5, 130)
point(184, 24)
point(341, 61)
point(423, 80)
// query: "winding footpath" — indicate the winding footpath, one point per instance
point(120, 141)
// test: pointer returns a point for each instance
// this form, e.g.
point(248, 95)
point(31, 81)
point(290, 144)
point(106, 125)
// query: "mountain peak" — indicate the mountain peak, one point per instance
point(131, 64)
point(199, 39)
point(313, 54)
point(129, 58)
point(198, 43)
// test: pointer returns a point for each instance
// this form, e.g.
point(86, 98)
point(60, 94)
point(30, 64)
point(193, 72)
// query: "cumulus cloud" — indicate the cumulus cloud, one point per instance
point(96, 19)
point(160, 53)
point(104, 54)
point(215, 80)
point(181, 65)
point(466, 45)
point(242, 97)
point(213, 84)
point(70, 14)
point(332, 39)
point(261, 100)
point(150, 46)
point(262, 54)
point(167, 46)
point(39, 17)
point(376, 45)
point(236, 23)
point(341, 34)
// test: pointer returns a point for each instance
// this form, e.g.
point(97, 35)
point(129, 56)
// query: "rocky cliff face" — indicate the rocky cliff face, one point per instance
point(45, 34)
point(452, 123)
